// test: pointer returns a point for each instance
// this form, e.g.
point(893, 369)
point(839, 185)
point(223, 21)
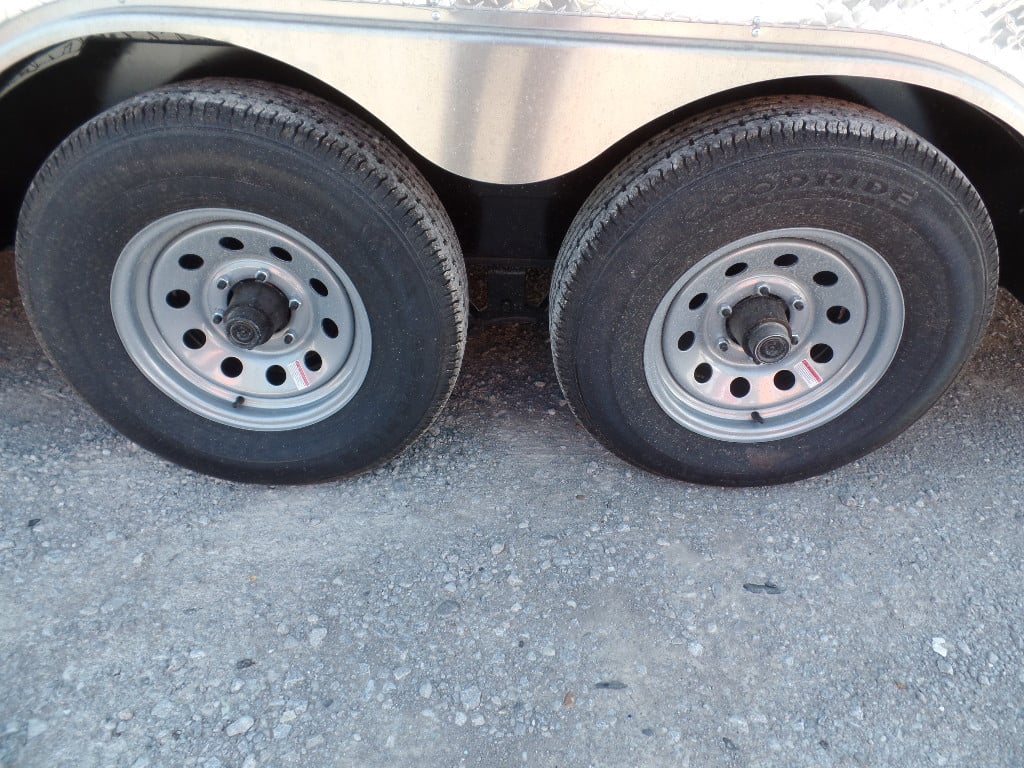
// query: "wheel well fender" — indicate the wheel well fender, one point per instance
point(102, 71)
point(93, 74)
point(989, 152)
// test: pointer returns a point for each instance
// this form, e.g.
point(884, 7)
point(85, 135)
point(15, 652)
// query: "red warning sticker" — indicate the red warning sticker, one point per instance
point(807, 373)
point(300, 377)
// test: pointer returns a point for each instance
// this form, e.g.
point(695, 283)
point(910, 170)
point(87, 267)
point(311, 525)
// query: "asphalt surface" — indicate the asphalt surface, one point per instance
point(508, 593)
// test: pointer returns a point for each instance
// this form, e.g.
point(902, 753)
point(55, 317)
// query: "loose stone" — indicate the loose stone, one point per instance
point(239, 726)
point(316, 636)
point(470, 697)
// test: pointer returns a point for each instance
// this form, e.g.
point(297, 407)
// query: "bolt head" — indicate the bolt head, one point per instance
point(294, 304)
point(725, 310)
point(798, 303)
point(723, 345)
point(763, 290)
point(223, 283)
point(262, 276)
point(289, 337)
point(218, 317)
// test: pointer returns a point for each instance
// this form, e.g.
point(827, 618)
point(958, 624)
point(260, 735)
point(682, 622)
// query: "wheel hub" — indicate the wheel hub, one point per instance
point(256, 312)
point(241, 319)
point(773, 335)
point(760, 324)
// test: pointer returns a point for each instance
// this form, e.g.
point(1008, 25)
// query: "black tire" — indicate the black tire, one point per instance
point(722, 179)
point(261, 151)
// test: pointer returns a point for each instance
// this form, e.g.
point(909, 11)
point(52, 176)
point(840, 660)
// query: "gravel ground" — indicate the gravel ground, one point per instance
point(508, 593)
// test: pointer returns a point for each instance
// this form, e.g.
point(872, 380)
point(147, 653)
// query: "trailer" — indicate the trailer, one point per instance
point(765, 237)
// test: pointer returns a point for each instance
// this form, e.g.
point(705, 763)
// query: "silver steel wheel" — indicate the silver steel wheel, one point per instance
point(173, 286)
point(839, 302)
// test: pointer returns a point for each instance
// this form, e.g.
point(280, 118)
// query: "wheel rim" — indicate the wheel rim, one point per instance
point(172, 297)
point(839, 299)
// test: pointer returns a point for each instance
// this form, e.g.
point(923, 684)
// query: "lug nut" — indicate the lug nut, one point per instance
point(763, 289)
point(794, 339)
point(289, 337)
point(294, 304)
point(798, 303)
point(262, 276)
point(218, 317)
point(725, 310)
point(723, 345)
point(223, 283)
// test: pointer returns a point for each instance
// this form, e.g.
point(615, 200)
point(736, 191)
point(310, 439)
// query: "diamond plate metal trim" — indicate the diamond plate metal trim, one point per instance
point(990, 31)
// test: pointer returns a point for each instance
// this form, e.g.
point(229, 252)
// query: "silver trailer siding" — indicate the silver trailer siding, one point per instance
point(517, 92)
